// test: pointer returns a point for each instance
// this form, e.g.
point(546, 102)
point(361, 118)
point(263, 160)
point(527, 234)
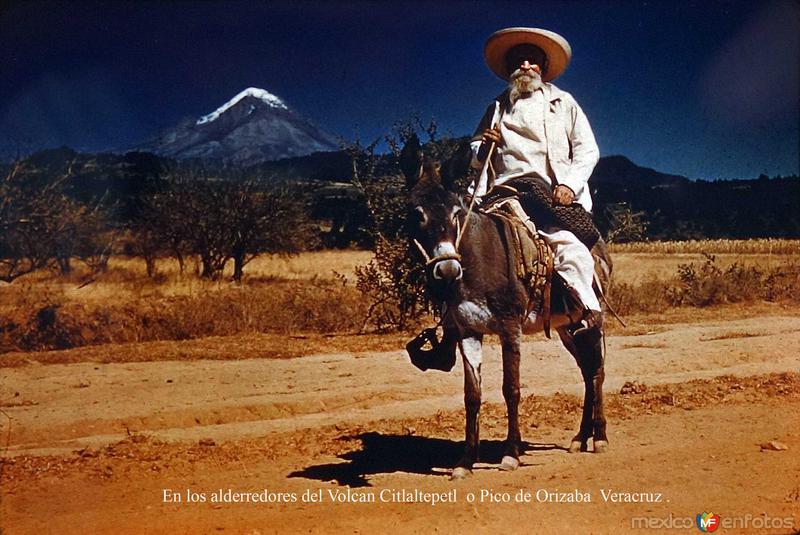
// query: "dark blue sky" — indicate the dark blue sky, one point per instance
point(699, 88)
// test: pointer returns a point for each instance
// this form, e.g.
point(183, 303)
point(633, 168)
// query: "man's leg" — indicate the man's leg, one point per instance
point(573, 261)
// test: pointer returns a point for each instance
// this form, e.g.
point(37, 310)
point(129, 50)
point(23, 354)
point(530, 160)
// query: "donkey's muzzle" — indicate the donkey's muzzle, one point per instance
point(448, 270)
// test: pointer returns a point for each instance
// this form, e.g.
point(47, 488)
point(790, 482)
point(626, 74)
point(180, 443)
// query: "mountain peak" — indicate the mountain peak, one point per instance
point(262, 94)
point(253, 127)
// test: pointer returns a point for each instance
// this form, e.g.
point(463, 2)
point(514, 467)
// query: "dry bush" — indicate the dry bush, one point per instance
point(48, 321)
point(624, 225)
point(648, 296)
point(709, 284)
point(394, 285)
point(394, 279)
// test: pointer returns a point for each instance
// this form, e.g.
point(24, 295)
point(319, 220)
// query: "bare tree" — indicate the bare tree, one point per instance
point(30, 219)
point(259, 221)
point(41, 226)
point(220, 221)
point(18, 253)
point(624, 224)
point(161, 227)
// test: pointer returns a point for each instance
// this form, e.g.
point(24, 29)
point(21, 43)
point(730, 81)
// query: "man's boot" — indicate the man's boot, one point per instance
point(589, 329)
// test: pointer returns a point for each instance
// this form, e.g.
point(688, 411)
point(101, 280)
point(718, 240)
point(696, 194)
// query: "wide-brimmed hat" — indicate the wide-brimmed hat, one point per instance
point(555, 47)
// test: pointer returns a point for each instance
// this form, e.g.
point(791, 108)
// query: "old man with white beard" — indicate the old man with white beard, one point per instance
point(539, 132)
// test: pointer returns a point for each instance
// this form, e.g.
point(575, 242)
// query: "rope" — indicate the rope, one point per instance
point(440, 258)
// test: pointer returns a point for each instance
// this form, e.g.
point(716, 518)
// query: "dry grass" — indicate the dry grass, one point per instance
point(636, 268)
point(46, 319)
point(311, 293)
point(710, 281)
point(731, 335)
point(322, 264)
point(314, 293)
point(127, 277)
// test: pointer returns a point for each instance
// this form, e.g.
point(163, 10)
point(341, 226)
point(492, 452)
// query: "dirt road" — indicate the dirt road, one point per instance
point(106, 447)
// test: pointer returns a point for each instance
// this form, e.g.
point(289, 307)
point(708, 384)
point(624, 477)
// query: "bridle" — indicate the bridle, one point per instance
point(460, 231)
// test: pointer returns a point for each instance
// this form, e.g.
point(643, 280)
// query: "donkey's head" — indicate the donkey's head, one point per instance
point(435, 211)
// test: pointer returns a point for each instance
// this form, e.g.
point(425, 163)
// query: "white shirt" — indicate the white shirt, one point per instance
point(545, 133)
point(524, 151)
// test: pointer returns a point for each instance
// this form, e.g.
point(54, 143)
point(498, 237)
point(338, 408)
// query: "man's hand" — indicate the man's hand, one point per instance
point(563, 195)
point(492, 135)
point(489, 136)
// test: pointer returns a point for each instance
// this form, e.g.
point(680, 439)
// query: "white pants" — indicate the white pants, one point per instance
point(573, 261)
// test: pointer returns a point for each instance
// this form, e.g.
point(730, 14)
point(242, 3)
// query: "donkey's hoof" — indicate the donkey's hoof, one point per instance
point(459, 473)
point(600, 446)
point(576, 445)
point(509, 463)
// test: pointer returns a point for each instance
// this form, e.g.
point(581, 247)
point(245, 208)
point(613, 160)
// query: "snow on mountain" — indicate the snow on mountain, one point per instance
point(254, 92)
point(254, 126)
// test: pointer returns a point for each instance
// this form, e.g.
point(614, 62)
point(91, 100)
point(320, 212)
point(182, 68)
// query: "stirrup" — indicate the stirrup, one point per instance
point(592, 321)
point(436, 358)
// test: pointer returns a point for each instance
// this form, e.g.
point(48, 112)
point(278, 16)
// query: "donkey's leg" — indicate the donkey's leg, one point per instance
point(587, 348)
point(511, 356)
point(580, 440)
point(471, 354)
point(594, 347)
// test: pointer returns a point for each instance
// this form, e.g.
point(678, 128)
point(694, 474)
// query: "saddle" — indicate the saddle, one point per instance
point(534, 258)
point(536, 199)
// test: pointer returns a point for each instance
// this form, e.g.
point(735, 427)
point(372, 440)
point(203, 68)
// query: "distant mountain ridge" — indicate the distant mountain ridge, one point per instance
point(620, 170)
point(674, 206)
point(253, 127)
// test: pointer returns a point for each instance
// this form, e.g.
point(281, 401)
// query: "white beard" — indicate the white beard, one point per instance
point(523, 83)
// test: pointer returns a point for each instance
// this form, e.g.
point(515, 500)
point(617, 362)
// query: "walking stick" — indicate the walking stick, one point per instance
point(487, 166)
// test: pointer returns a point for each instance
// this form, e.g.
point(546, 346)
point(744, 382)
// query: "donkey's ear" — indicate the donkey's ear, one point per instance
point(411, 161)
point(457, 166)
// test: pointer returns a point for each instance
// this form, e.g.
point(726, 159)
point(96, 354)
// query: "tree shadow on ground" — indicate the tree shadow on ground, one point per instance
point(385, 454)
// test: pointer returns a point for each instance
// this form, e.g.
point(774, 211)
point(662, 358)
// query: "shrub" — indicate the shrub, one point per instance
point(283, 307)
point(394, 287)
point(393, 282)
point(711, 285)
point(706, 285)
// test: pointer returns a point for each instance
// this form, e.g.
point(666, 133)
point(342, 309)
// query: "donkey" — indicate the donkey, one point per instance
point(480, 293)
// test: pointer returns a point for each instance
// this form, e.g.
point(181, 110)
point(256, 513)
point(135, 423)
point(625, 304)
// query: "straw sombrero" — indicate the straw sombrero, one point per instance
point(555, 47)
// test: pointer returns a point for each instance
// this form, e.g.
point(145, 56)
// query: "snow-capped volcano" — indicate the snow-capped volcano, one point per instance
point(254, 126)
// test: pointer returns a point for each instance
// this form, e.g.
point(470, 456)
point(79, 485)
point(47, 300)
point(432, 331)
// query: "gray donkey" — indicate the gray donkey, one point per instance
point(481, 293)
